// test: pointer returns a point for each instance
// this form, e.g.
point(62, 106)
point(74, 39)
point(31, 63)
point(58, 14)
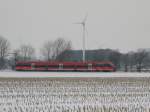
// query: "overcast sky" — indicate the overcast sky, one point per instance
point(116, 24)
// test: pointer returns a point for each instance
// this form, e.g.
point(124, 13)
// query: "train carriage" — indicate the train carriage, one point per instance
point(65, 66)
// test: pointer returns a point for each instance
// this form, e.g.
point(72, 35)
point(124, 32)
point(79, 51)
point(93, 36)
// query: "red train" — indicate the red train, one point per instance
point(65, 66)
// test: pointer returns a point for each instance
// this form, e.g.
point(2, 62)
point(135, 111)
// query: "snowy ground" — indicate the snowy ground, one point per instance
point(70, 74)
point(74, 92)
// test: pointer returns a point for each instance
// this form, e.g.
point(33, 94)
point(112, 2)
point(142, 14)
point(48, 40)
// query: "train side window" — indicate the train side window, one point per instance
point(38, 66)
point(53, 66)
point(104, 65)
point(24, 64)
point(68, 66)
point(107, 65)
point(100, 65)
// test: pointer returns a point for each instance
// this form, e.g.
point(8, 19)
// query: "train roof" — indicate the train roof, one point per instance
point(64, 62)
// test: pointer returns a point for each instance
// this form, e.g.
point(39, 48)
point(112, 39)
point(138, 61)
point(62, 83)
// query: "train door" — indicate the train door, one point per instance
point(32, 66)
point(60, 66)
point(90, 67)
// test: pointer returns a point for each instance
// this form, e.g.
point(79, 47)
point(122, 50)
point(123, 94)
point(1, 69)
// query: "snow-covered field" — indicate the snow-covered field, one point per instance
point(71, 74)
point(74, 92)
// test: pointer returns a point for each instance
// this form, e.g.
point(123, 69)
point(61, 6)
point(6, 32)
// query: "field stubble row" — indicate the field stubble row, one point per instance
point(75, 95)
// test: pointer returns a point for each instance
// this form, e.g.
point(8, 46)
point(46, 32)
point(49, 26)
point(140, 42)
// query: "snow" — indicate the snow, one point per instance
point(74, 92)
point(71, 74)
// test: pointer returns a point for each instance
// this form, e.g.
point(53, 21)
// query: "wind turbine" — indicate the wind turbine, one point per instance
point(83, 23)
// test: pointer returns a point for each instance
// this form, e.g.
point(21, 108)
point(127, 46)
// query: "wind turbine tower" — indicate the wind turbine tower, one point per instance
point(83, 23)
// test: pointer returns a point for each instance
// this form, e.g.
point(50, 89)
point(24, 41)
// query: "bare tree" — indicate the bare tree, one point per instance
point(53, 50)
point(125, 61)
point(47, 50)
point(60, 46)
point(139, 57)
point(16, 54)
point(131, 61)
point(114, 56)
point(14, 58)
point(4, 51)
point(26, 53)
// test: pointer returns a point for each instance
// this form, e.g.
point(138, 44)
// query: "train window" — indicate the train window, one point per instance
point(68, 66)
point(100, 65)
point(81, 66)
point(104, 65)
point(107, 65)
point(38, 66)
point(53, 66)
point(23, 64)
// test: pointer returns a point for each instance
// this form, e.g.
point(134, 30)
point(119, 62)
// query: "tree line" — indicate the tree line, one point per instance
point(61, 50)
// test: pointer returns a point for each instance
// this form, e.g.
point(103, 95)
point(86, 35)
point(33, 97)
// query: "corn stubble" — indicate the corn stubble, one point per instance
point(75, 95)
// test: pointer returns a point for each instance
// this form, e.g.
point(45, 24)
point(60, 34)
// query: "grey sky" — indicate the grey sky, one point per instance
point(117, 24)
